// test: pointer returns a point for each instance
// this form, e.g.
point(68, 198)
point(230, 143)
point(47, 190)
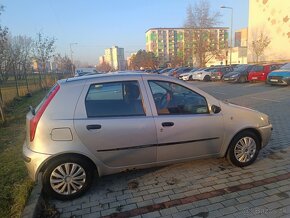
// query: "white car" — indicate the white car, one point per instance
point(187, 76)
point(202, 75)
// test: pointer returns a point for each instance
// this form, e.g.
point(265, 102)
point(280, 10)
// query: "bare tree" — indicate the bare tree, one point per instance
point(64, 64)
point(3, 51)
point(43, 50)
point(3, 62)
point(260, 42)
point(105, 67)
point(202, 41)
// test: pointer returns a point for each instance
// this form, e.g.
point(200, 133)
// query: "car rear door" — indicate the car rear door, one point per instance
point(114, 121)
point(185, 128)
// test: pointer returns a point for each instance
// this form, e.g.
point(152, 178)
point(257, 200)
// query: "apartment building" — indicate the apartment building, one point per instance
point(169, 44)
point(272, 19)
point(115, 57)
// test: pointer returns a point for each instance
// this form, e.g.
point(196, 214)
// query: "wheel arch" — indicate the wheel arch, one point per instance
point(68, 155)
point(253, 130)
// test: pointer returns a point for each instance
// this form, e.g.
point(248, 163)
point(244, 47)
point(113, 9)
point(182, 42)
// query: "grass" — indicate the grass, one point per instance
point(15, 185)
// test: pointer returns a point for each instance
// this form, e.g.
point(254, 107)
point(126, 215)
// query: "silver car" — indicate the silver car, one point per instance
point(113, 122)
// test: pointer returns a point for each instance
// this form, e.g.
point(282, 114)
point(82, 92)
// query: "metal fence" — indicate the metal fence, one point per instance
point(21, 86)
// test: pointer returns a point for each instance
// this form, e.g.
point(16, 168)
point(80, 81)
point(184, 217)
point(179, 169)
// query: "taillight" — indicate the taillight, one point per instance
point(34, 121)
point(219, 73)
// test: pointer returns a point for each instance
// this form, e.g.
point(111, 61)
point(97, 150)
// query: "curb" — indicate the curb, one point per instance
point(32, 207)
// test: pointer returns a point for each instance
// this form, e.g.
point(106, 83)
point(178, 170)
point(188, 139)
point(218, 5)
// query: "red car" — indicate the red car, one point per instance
point(260, 72)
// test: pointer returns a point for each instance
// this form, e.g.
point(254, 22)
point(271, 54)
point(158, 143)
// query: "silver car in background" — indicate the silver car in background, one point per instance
point(113, 122)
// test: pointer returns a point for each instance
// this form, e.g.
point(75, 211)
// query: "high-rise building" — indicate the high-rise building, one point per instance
point(115, 57)
point(272, 19)
point(168, 44)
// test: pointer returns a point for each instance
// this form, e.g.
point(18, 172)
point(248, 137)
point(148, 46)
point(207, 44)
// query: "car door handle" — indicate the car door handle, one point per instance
point(167, 124)
point(95, 126)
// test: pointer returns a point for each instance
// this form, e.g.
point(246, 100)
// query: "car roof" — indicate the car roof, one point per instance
point(121, 75)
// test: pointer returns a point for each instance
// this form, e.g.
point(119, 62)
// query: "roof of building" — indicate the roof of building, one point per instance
point(182, 28)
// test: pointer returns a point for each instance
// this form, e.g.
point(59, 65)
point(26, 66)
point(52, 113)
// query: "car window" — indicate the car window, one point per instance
point(172, 98)
point(285, 67)
point(114, 99)
point(257, 68)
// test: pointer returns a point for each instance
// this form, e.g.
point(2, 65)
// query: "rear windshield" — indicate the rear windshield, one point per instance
point(46, 96)
point(257, 68)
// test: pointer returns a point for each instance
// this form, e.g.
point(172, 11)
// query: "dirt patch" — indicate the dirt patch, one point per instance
point(172, 181)
point(133, 184)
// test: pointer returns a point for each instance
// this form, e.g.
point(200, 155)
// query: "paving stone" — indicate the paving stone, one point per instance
point(227, 210)
point(213, 207)
point(230, 202)
point(151, 215)
point(182, 214)
point(183, 207)
point(168, 211)
point(92, 215)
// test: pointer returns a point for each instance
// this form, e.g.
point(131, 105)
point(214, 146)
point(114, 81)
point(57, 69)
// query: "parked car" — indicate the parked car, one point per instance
point(177, 71)
point(260, 72)
point(165, 70)
point(202, 75)
point(280, 77)
point(115, 122)
point(187, 76)
point(85, 71)
point(219, 72)
point(240, 74)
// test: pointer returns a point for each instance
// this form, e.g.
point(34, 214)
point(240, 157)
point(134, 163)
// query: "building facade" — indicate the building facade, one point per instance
point(172, 44)
point(241, 38)
point(115, 57)
point(272, 18)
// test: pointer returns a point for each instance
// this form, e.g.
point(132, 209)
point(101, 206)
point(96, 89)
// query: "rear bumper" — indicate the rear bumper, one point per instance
point(33, 161)
point(266, 132)
point(216, 78)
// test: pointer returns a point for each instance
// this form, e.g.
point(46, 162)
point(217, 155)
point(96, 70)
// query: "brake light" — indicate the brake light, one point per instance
point(219, 73)
point(34, 121)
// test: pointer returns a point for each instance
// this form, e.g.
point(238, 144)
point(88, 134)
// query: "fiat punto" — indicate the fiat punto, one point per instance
point(104, 124)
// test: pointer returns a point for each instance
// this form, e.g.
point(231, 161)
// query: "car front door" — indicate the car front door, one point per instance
point(185, 127)
point(113, 121)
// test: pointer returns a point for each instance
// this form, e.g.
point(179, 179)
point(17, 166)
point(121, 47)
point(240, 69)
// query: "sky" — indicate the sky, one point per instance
point(98, 24)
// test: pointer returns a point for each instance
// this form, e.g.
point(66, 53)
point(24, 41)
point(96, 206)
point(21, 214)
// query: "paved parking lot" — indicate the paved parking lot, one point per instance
point(204, 188)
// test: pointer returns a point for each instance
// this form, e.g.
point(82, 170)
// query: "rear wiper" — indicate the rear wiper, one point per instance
point(32, 110)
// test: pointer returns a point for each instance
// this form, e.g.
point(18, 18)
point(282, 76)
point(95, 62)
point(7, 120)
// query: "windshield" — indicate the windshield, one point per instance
point(209, 69)
point(241, 68)
point(285, 67)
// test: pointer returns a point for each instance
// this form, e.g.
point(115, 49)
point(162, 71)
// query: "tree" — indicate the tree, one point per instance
point(64, 64)
point(43, 50)
point(3, 51)
point(3, 61)
point(105, 67)
point(143, 59)
point(202, 41)
point(260, 42)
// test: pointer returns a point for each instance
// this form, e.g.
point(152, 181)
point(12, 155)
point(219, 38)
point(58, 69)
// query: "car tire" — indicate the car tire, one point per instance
point(58, 182)
point(190, 78)
point(242, 79)
point(206, 78)
point(244, 149)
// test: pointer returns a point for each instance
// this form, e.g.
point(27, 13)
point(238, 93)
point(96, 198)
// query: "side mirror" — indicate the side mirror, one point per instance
point(215, 109)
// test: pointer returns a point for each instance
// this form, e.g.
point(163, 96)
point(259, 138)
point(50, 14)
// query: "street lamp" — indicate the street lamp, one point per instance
point(71, 57)
point(231, 41)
